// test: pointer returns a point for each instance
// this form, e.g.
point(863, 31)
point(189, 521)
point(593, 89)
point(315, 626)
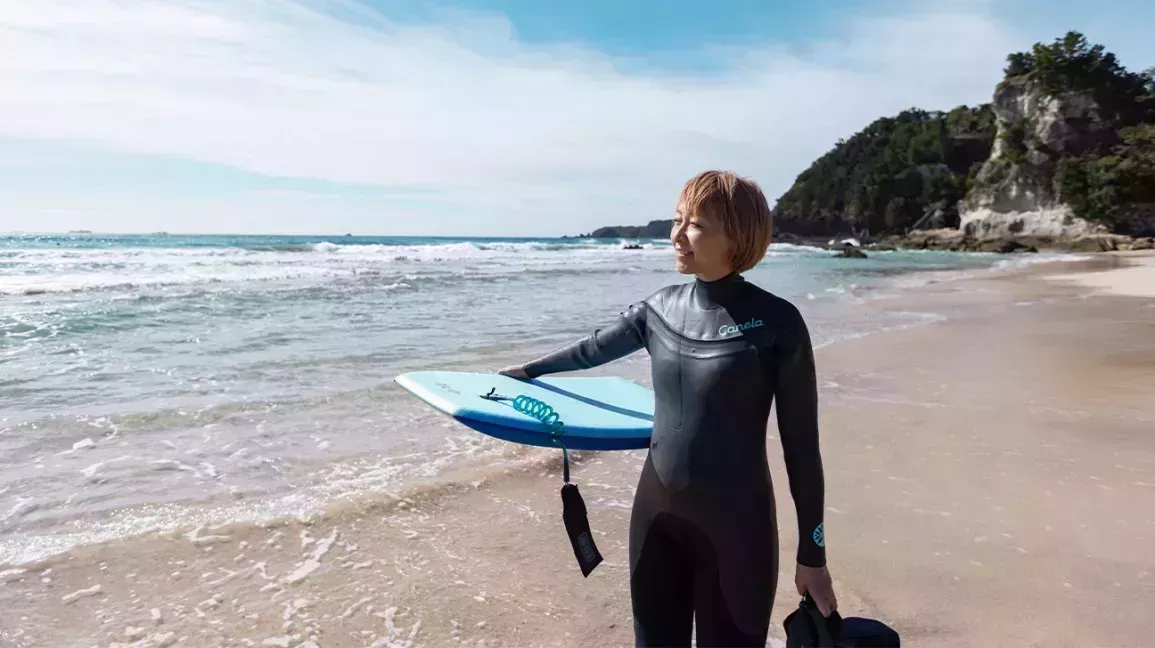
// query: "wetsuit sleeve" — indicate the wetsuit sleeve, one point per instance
point(797, 407)
point(620, 339)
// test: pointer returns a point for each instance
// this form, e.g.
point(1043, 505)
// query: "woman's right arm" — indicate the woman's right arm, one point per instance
point(620, 339)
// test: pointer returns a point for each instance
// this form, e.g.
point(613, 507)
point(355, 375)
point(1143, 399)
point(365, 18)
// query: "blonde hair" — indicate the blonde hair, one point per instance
point(739, 205)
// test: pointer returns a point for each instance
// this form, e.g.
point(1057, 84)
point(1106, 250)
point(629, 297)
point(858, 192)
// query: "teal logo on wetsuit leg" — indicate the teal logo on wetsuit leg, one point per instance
point(819, 535)
point(734, 329)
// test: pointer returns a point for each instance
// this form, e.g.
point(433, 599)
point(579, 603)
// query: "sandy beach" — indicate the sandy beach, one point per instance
point(990, 482)
point(1136, 279)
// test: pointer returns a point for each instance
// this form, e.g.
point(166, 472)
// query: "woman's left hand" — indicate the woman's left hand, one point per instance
point(515, 371)
point(817, 582)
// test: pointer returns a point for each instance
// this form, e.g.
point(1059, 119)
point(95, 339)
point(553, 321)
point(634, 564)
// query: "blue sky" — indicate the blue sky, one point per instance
point(671, 32)
point(501, 117)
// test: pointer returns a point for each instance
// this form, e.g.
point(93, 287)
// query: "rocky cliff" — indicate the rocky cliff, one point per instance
point(1015, 192)
point(1061, 109)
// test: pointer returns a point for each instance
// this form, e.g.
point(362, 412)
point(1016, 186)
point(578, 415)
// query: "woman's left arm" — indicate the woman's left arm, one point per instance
point(797, 409)
point(603, 345)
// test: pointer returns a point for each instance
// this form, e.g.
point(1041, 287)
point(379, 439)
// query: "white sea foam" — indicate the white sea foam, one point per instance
point(125, 269)
point(1025, 260)
point(313, 562)
point(81, 593)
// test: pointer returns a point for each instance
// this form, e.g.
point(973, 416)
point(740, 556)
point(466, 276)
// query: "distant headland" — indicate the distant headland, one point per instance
point(653, 229)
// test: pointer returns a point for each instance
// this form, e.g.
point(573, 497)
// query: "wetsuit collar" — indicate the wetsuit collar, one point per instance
point(712, 294)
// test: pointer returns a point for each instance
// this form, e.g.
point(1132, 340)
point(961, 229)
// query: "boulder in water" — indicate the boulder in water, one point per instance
point(850, 252)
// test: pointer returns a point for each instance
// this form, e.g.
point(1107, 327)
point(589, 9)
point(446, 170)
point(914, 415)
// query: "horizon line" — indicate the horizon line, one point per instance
point(329, 235)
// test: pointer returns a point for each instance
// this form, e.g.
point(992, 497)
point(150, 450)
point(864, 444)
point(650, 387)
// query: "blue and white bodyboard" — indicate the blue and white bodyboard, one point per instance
point(579, 413)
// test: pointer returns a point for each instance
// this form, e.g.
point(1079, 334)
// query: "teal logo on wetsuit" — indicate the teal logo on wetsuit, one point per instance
point(819, 535)
point(734, 329)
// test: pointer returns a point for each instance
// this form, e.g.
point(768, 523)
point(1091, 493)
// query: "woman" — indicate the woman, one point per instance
point(703, 533)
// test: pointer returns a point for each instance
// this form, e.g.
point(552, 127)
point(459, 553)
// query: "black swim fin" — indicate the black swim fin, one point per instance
point(807, 628)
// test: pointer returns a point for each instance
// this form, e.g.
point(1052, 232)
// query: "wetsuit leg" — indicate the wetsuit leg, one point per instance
point(714, 624)
point(677, 591)
point(661, 587)
point(694, 569)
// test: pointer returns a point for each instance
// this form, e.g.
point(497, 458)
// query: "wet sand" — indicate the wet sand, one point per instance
point(990, 481)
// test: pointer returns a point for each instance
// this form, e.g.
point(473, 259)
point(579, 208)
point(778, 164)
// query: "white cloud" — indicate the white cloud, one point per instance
point(522, 139)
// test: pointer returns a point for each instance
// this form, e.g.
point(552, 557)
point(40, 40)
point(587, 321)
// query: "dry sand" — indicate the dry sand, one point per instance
point(1136, 279)
point(990, 482)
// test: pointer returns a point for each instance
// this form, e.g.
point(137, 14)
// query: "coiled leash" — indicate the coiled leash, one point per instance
point(577, 524)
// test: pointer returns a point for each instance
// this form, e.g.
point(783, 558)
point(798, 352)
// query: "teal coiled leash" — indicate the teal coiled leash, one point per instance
point(542, 412)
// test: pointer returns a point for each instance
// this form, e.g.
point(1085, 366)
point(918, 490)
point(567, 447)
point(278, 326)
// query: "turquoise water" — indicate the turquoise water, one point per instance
point(143, 373)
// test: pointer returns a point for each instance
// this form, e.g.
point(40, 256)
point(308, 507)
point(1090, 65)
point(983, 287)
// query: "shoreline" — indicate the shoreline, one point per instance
point(446, 565)
point(179, 516)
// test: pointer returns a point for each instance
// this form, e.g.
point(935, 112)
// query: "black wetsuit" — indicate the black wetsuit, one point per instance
point(703, 533)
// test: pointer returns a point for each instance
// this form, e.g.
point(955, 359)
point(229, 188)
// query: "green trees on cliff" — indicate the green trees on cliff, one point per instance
point(1071, 64)
point(1103, 185)
point(888, 176)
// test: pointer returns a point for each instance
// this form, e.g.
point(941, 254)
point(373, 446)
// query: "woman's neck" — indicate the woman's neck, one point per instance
point(712, 294)
point(711, 277)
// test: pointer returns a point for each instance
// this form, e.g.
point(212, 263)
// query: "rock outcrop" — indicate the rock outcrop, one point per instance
point(849, 251)
point(1016, 192)
point(955, 240)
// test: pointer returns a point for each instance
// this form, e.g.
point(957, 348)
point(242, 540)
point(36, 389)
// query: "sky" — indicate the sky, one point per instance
point(469, 117)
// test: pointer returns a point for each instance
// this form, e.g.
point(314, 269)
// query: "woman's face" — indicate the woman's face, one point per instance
point(700, 246)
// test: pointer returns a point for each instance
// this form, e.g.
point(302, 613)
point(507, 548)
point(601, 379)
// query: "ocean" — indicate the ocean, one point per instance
point(158, 382)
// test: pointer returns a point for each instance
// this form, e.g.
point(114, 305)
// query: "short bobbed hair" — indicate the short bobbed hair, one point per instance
point(739, 205)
